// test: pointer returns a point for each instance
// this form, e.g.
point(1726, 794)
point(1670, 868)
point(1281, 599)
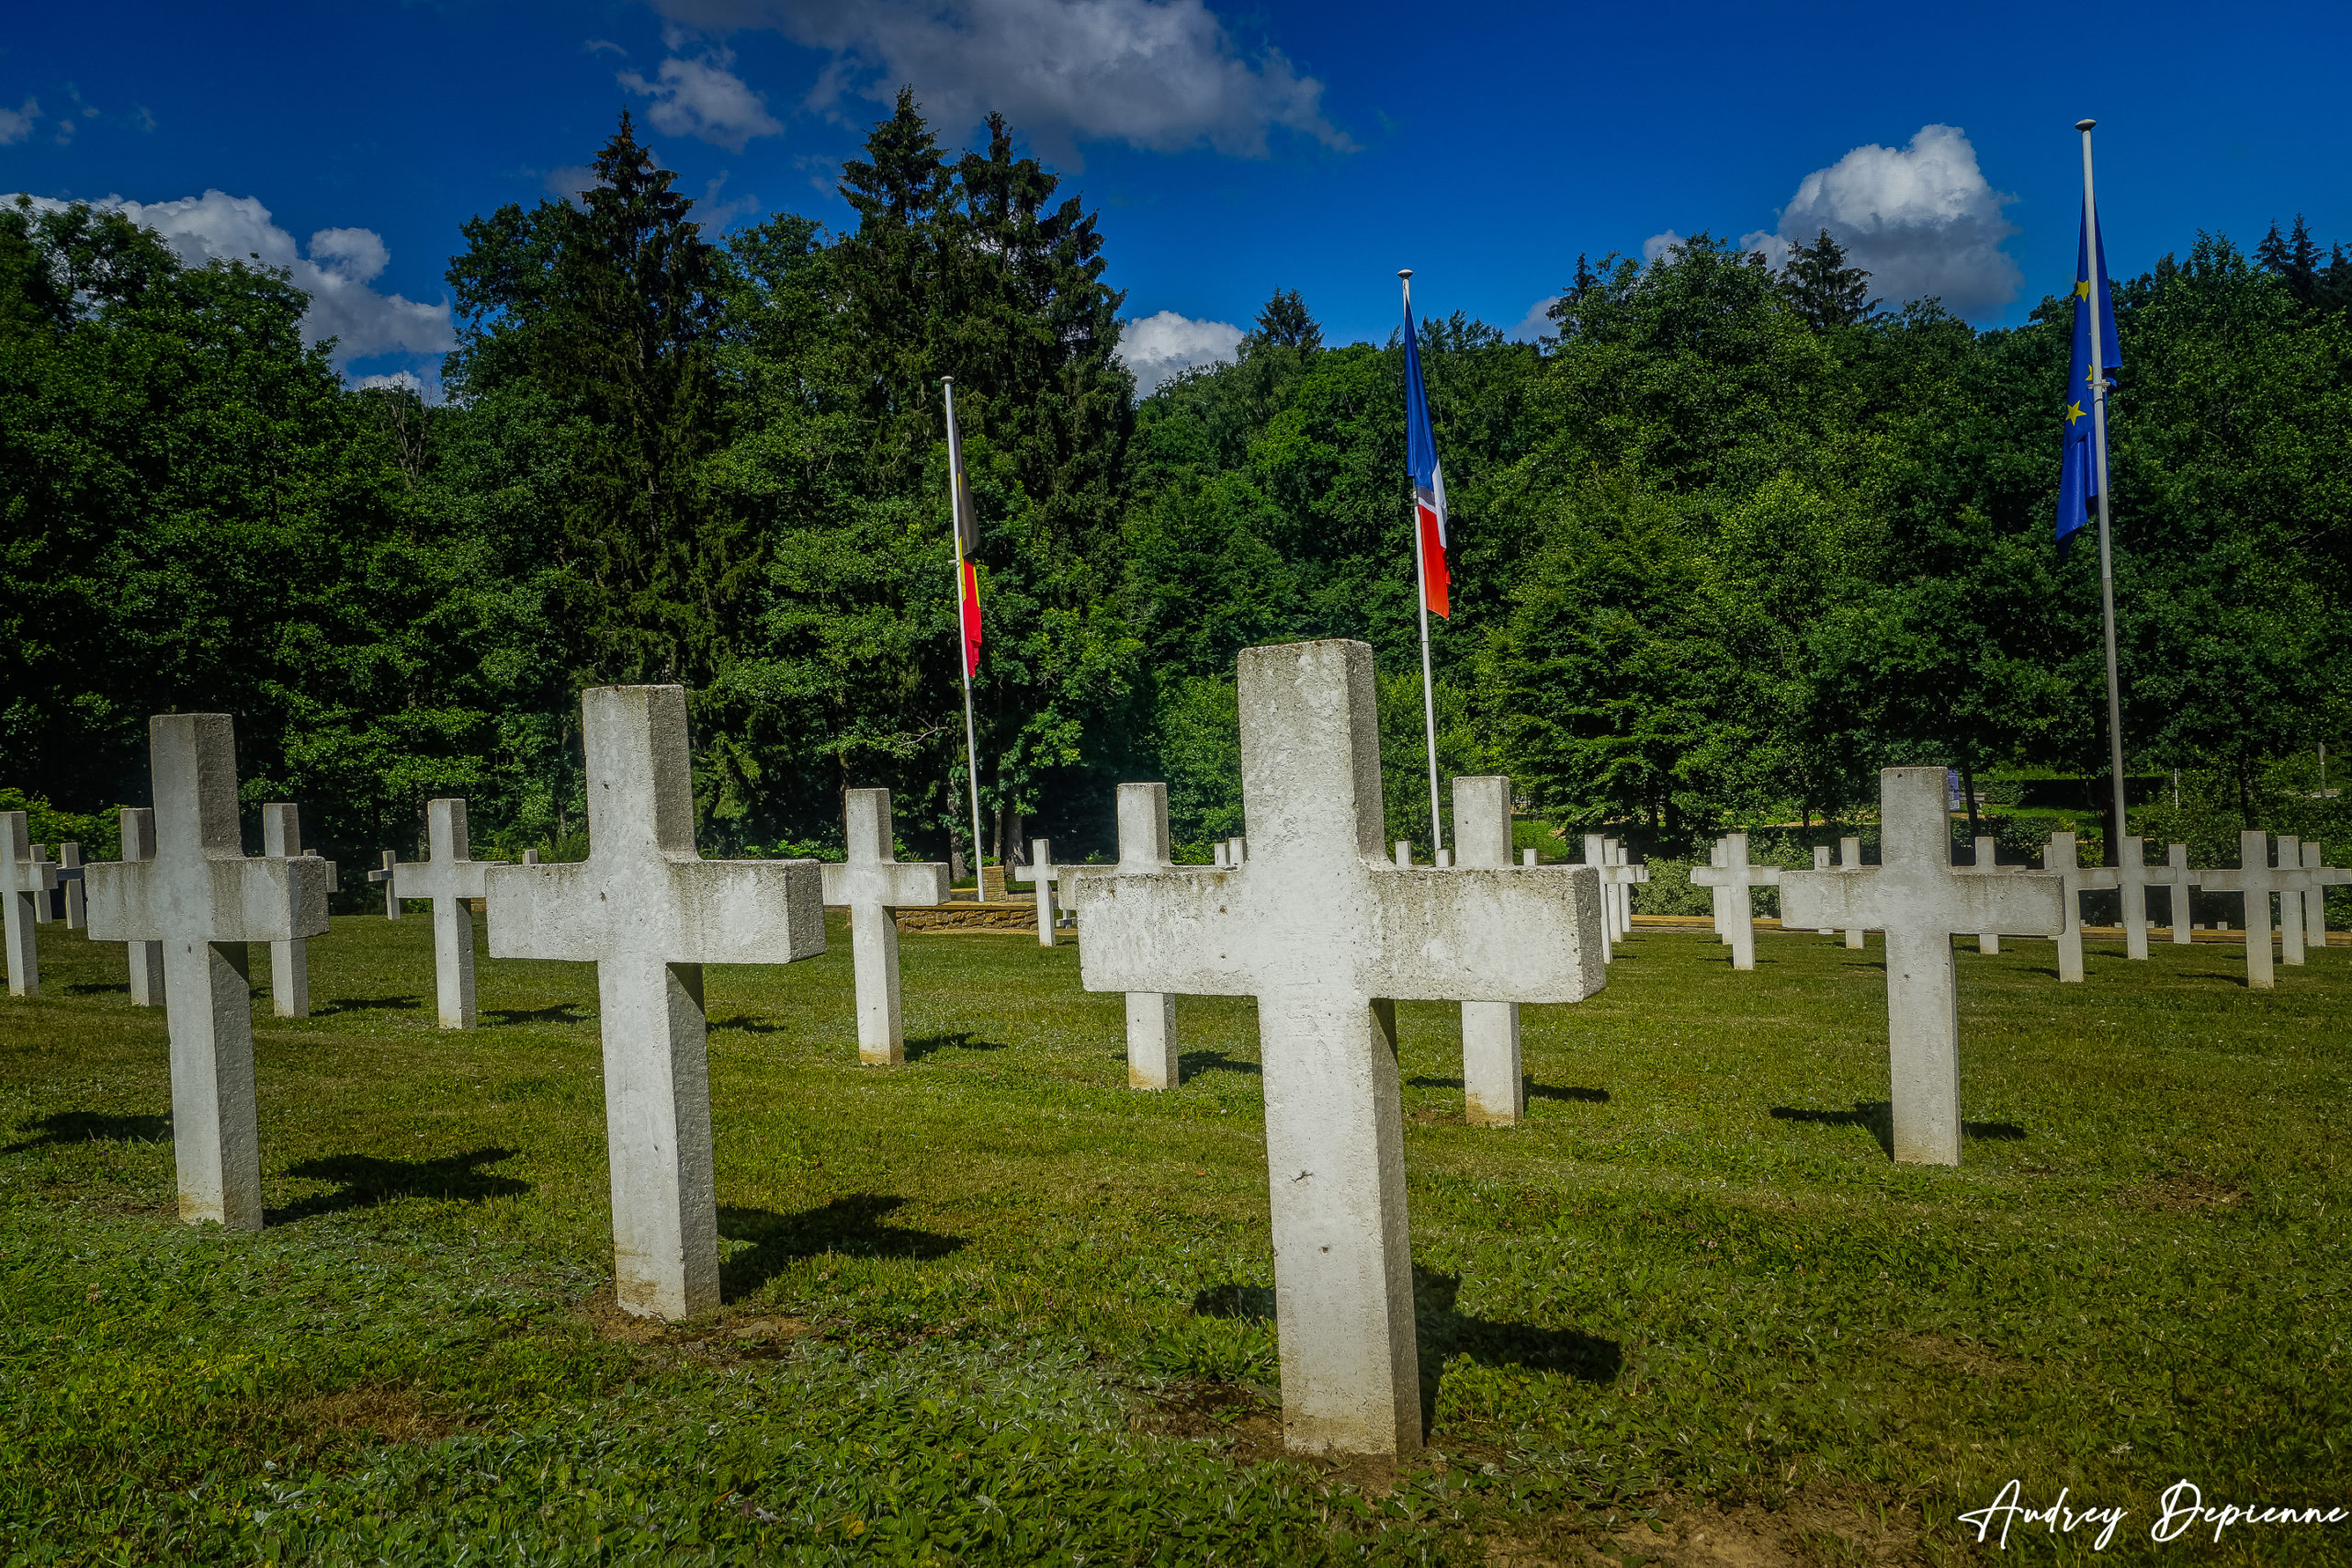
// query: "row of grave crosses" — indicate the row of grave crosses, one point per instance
point(2300, 880)
point(1309, 918)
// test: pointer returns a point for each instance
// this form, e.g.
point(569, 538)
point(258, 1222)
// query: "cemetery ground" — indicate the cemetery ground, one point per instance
point(993, 1306)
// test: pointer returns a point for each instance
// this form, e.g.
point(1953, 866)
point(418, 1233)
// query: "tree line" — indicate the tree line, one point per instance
point(1726, 541)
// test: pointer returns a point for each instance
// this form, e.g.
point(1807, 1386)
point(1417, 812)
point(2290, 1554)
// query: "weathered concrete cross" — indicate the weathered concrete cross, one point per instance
point(2130, 874)
point(2060, 855)
point(1735, 876)
point(1919, 900)
point(26, 883)
point(875, 883)
point(389, 878)
point(69, 883)
point(1849, 857)
point(2293, 882)
point(1718, 892)
point(204, 899)
point(449, 879)
point(1328, 935)
point(44, 870)
point(1042, 870)
point(2255, 878)
point(1821, 863)
point(138, 826)
point(649, 912)
point(1988, 859)
point(1494, 1089)
point(1145, 846)
point(289, 960)
point(2323, 877)
point(2183, 882)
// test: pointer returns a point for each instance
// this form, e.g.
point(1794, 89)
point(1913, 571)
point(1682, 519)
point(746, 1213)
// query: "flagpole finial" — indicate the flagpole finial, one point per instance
point(947, 381)
point(1405, 272)
point(2085, 124)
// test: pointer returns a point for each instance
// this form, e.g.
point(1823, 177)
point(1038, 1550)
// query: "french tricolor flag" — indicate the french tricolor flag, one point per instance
point(1429, 480)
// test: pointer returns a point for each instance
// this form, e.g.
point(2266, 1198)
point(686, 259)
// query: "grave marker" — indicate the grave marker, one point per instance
point(1920, 900)
point(1735, 876)
point(2254, 879)
point(1042, 870)
point(1718, 892)
point(1821, 863)
point(1494, 1089)
point(1327, 936)
point(1988, 859)
point(2060, 855)
point(875, 883)
point(2323, 877)
point(25, 883)
point(2183, 882)
point(2291, 882)
point(449, 879)
point(289, 960)
point(205, 900)
point(389, 877)
point(1145, 846)
point(69, 883)
point(1850, 856)
point(649, 912)
point(147, 989)
point(45, 872)
point(2129, 873)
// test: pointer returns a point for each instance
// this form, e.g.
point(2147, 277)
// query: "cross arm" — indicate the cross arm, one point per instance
point(686, 910)
point(895, 885)
point(1735, 875)
point(438, 879)
point(2018, 903)
point(1500, 934)
point(1188, 931)
point(217, 900)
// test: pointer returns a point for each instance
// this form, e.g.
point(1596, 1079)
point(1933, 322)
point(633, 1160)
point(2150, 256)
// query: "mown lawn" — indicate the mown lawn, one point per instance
point(994, 1307)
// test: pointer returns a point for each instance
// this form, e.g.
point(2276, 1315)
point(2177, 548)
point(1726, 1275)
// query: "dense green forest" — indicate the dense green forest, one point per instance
point(1725, 544)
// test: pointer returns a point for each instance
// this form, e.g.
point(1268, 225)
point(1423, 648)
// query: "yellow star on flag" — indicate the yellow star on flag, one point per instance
point(2074, 412)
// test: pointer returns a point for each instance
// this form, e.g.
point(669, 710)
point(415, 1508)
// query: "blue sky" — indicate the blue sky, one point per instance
point(1230, 150)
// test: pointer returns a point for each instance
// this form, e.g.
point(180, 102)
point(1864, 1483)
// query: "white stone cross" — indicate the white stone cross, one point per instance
point(1919, 900)
point(69, 881)
point(649, 912)
point(1042, 870)
point(2323, 877)
point(2255, 878)
point(2182, 881)
point(389, 877)
point(875, 883)
point(450, 880)
point(1821, 863)
point(138, 828)
point(1617, 881)
point(1327, 936)
point(204, 899)
point(1735, 876)
point(1850, 856)
point(26, 883)
point(289, 960)
point(2293, 882)
point(1145, 846)
point(44, 870)
point(1494, 1089)
point(2060, 856)
point(2129, 873)
point(1988, 861)
point(1718, 893)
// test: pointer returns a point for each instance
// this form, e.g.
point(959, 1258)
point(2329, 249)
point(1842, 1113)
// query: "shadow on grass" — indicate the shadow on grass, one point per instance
point(853, 1227)
point(91, 1127)
point(1878, 1115)
point(1534, 1090)
point(358, 1004)
point(369, 1181)
point(965, 1040)
point(1192, 1062)
point(122, 990)
point(562, 1012)
point(1443, 1332)
point(748, 1025)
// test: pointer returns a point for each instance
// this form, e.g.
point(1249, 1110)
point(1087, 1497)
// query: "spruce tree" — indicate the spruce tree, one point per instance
point(2294, 260)
point(1823, 288)
point(1284, 323)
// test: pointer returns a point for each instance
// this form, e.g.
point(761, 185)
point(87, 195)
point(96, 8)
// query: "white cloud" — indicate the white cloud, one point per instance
point(566, 183)
point(1922, 218)
point(702, 98)
point(18, 123)
point(1538, 321)
point(1163, 76)
point(603, 45)
point(335, 274)
point(1657, 244)
point(1156, 348)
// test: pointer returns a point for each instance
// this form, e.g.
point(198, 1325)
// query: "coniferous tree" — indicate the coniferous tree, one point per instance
point(1285, 322)
point(1824, 289)
point(2294, 260)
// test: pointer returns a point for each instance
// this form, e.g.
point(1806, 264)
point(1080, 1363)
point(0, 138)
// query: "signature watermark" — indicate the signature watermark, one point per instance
point(2181, 1512)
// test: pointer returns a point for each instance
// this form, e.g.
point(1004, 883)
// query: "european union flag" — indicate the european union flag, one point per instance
point(2078, 478)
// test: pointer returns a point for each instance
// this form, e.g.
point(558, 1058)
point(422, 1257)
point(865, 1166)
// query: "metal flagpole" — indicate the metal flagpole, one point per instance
point(963, 639)
point(1421, 588)
point(2095, 268)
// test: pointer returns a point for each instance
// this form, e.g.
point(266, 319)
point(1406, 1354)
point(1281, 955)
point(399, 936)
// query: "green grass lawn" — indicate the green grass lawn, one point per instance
point(994, 1307)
